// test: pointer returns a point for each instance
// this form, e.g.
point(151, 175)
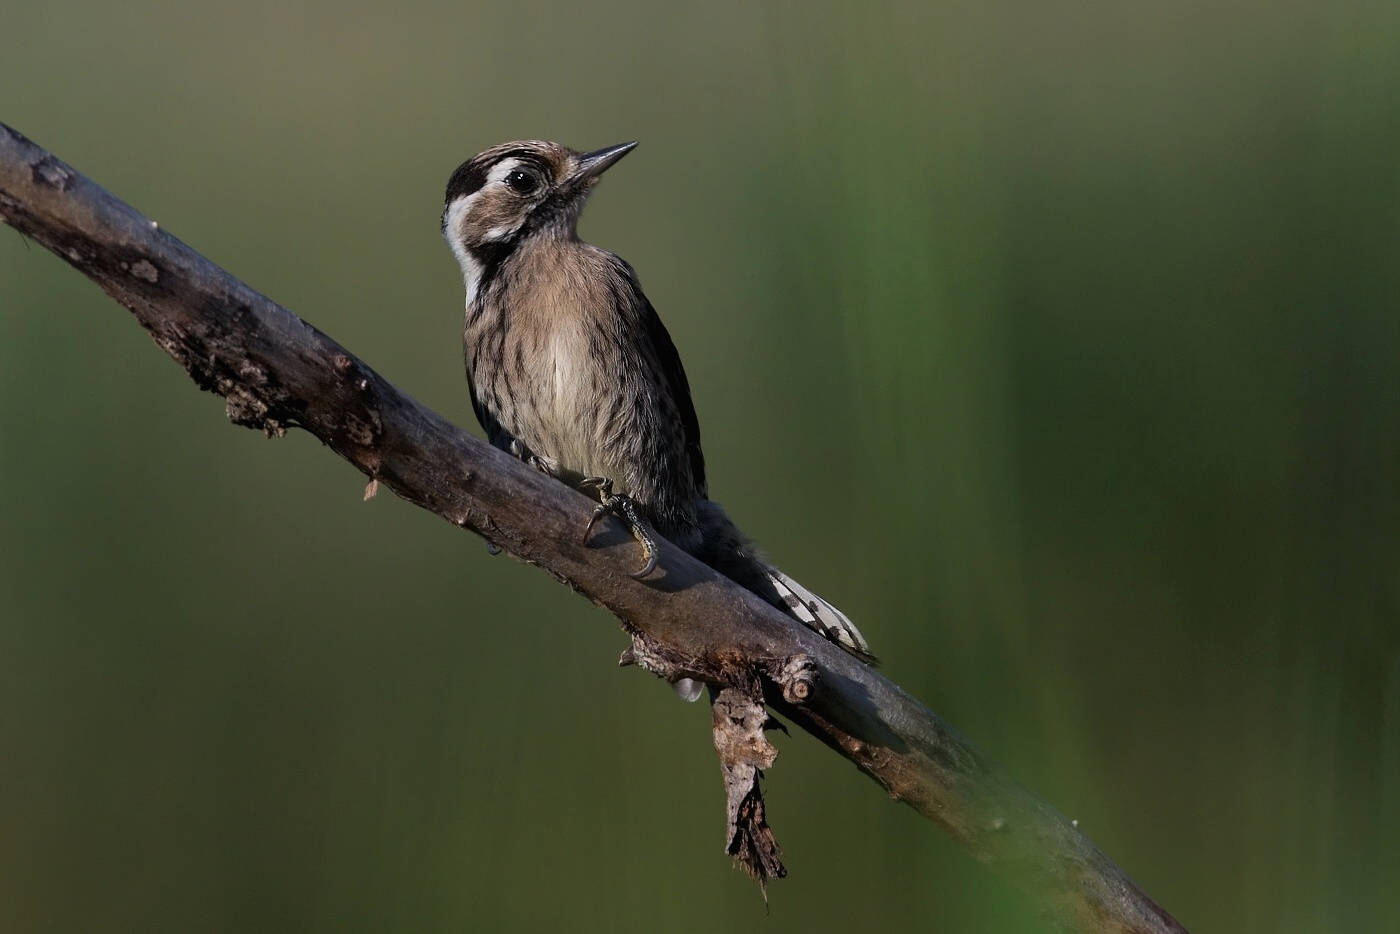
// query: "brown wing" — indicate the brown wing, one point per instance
point(673, 372)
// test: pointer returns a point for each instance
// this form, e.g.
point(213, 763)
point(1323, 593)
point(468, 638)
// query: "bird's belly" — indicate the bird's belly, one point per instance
point(567, 420)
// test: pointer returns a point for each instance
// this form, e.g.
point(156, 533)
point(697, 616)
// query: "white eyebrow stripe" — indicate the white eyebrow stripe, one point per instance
point(501, 169)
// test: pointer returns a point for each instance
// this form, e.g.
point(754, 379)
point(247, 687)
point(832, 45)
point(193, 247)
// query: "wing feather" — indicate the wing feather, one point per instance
point(673, 371)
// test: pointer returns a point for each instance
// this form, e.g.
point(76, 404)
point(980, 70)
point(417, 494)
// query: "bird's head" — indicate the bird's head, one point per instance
point(515, 190)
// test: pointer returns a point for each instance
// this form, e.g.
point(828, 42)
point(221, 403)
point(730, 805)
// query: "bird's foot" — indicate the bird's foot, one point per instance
point(625, 509)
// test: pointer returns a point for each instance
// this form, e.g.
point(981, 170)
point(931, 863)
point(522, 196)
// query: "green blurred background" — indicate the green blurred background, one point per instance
point(1058, 343)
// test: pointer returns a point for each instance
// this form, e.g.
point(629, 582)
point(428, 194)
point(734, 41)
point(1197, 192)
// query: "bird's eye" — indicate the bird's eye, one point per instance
point(522, 183)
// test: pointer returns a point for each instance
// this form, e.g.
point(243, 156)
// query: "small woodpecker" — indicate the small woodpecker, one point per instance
point(571, 369)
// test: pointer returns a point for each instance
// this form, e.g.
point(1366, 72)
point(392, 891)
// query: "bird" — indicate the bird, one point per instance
point(571, 369)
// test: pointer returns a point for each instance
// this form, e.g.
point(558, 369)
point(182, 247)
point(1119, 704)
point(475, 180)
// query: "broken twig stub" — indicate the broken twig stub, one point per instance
point(744, 752)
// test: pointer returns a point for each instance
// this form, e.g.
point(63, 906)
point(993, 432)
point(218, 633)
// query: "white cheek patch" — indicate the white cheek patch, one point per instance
point(452, 228)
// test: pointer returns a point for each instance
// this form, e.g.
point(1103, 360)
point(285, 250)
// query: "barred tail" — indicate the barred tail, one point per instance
point(723, 547)
point(820, 615)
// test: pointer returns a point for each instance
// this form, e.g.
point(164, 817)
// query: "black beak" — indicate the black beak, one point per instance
point(593, 164)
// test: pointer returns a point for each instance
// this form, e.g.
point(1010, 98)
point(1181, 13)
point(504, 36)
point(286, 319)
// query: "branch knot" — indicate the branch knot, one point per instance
point(797, 675)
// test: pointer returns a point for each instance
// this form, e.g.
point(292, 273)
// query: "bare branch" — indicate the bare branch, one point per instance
point(276, 371)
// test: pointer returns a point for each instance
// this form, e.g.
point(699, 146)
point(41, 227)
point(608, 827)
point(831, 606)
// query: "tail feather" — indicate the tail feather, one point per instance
point(723, 547)
point(820, 615)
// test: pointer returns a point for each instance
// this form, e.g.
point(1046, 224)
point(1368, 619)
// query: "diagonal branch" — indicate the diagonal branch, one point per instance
point(276, 371)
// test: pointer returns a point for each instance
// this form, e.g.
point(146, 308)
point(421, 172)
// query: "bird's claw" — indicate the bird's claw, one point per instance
point(649, 552)
point(625, 509)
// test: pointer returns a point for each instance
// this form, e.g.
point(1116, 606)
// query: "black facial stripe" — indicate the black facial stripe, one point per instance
point(491, 256)
point(468, 179)
point(548, 212)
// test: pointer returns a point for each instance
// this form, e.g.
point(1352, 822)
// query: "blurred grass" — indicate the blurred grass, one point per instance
point(1058, 344)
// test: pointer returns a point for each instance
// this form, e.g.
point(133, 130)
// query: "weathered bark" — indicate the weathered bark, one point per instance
point(276, 371)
